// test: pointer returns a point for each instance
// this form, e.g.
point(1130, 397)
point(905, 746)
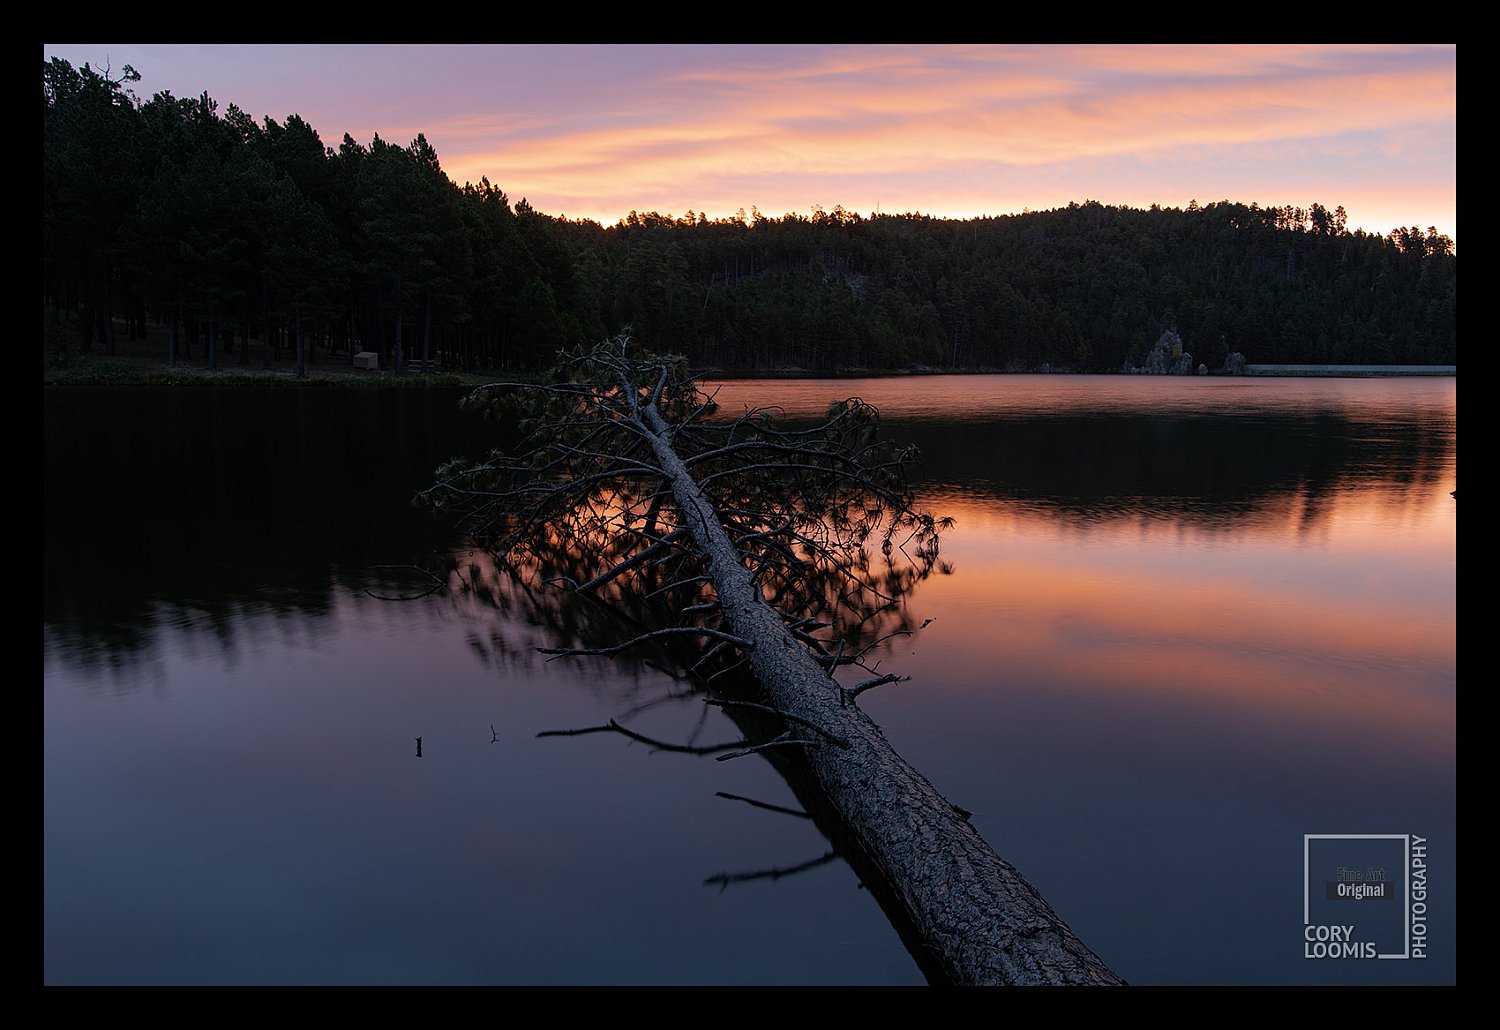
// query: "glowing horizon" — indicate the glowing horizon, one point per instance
point(949, 131)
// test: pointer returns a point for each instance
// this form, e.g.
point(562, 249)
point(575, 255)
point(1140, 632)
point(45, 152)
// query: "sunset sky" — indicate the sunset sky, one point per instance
point(958, 131)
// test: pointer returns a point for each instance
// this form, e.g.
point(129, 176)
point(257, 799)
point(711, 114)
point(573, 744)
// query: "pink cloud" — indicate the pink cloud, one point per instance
point(960, 130)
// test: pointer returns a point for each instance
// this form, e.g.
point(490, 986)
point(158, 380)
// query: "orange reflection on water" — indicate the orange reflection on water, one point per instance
point(1358, 623)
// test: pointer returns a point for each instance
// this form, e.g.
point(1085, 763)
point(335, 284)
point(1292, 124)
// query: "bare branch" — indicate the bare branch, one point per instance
point(438, 584)
point(837, 657)
point(762, 804)
point(633, 562)
point(831, 738)
point(784, 526)
point(729, 669)
point(414, 568)
point(784, 740)
point(870, 684)
point(888, 636)
point(656, 634)
point(608, 728)
point(725, 879)
point(678, 583)
point(658, 745)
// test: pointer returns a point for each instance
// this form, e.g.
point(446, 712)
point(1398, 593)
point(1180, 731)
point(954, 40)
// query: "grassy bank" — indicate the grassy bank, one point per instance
point(120, 371)
point(139, 362)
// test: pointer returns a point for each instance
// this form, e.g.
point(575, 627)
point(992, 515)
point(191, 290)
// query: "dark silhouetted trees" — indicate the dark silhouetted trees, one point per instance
point(225, 232)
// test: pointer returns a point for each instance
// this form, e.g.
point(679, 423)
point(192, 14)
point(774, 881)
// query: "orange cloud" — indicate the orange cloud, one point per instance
point(954, 124)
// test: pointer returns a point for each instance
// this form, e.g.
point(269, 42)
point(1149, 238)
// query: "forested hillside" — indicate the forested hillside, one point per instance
point(231, 238)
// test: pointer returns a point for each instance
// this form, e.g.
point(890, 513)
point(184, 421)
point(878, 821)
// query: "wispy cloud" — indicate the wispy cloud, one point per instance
point(597, 131)
point(962, 122)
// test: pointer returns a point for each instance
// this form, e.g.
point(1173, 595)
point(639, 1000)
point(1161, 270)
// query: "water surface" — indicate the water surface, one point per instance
point(1186, 622)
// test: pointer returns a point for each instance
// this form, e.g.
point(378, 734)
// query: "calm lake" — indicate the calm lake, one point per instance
point(1187, 622)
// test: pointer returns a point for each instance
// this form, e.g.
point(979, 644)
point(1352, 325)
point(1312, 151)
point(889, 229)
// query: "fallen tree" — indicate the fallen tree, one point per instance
point(756, 534)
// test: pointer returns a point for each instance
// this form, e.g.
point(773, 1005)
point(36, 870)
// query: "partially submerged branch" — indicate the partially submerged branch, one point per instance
point(656, 634)
point(775, 873)
point(785, 740)
point(870, 684)
point(764, 804)
point(656, 745)
point(438, 584)
point(723, 703)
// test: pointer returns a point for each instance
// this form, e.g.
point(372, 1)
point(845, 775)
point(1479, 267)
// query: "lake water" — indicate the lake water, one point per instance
point(1187, 623)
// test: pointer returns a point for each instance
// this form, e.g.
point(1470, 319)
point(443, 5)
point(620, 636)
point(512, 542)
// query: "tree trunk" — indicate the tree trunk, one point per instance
point(266, 325)
point(427, 331)
point(382, 347)
point(108, 322)
point(799, 511)
point(297, 329)
point(107, 329)
point(983, 922)
point(398, 361)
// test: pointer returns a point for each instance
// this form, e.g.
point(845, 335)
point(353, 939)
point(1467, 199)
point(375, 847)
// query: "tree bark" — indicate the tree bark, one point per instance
point(983, 922)
point(297, 328)
point(785, 542)
point(265, 322)
point(398, 360)
point(427, 331)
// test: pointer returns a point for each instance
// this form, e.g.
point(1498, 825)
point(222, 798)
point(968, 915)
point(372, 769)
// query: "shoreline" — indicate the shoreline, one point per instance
point(138, 371)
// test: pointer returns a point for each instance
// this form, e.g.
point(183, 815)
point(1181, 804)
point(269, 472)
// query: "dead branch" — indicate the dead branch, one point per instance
point(784, 740)
point(725, 879)
point(724, 703)
point(656, 634)
point(656, 745)
point(785, 525)
point(438, 584)
point(860, 688)
point(764, 804)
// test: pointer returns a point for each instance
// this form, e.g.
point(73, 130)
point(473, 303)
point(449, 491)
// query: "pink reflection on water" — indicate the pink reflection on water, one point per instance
point(975, 396)
point(1355, 625)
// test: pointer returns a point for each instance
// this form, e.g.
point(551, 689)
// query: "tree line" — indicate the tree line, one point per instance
point(215, 230)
